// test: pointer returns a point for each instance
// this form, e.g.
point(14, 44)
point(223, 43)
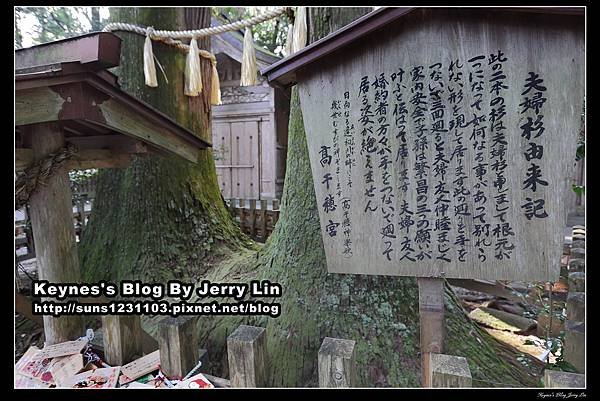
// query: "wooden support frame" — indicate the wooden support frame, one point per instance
point(88, 101)
point(84, 159)
point(51, 215)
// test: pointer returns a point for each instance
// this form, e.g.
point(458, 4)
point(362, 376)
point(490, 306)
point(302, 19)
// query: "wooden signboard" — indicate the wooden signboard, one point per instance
point(441, 146)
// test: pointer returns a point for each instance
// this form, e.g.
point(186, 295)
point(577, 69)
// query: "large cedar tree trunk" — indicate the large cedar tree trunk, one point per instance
point(162, 217)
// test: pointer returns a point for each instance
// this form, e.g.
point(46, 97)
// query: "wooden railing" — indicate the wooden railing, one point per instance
point(257, 218)
point(24, 234)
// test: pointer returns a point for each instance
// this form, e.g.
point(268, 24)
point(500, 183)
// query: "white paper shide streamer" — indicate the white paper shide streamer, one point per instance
point(299, 36)
point(193, 71)
point(149, 67)
point(249, 69)
point(215, 85)
point(287, 49)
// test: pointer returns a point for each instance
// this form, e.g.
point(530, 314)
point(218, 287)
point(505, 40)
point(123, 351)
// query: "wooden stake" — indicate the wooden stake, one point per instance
point(51, 214)
point(431, 314)
point(252, 213)
point(337, 363)
point(447, 371)
point(553, 378)
point(263, 219)
point(122, 338)
point(178, 344)
point(246, 354)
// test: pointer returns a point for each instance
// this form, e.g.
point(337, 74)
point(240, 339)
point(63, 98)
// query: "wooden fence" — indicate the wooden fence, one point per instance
point(24, 235)
point(255, 217)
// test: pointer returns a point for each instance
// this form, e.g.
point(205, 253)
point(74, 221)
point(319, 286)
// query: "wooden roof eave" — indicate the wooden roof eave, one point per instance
point(283, 73)
point(89, 97)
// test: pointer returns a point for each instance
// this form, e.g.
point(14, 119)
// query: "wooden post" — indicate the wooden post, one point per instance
point(263, 219)
point(448, 371)
point(275, 212)
point(81, 210)
point(178, 344)
point(431, 315)
point(577, 281)
point(576, 306)
point(240, 210)
point(51, 214)
point(252, 213)
point(577, 253)
point(122, 338)
point(577, 265)
point(337, 363)
point(574, 347)
point(555, 378)
point(246, 354)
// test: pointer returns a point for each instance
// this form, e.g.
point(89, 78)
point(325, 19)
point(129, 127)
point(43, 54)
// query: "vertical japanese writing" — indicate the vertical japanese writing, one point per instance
point(387, 231)
point(336, 114)
point(440, 164)
point(456, 127)
point(421, 167)
point(329, 155)
point(368, 144)
point(419, 157)
point(478, 140)
point(502, 230)
point(532, 104)
point(405, 215)
point(349, 162)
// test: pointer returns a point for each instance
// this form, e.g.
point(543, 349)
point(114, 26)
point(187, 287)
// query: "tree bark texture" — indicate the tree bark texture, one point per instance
point(162, 217)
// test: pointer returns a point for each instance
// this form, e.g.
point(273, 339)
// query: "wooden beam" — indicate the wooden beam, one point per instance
point(95, 159)
point(37, 105)
point(84, 159)
point(432, 323)
point(101, 105)
point(97, 50)
point(125, 120)
point(116, 143)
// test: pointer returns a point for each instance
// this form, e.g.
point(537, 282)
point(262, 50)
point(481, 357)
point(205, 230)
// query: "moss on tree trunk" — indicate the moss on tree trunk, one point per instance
point(162, 217)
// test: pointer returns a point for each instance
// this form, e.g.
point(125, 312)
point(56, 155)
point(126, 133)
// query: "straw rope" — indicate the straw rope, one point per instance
point(37, 174)
point(196, 33)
